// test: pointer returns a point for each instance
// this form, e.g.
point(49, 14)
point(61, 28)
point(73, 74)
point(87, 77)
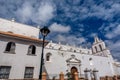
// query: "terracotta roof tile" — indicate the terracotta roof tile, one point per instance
point(20, 36)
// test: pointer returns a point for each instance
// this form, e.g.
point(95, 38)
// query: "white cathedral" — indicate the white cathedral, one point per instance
point(20, 53)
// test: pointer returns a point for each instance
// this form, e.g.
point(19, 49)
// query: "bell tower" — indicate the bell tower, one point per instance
point(98, 46)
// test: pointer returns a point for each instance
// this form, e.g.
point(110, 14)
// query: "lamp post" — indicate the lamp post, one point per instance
point(44, 31)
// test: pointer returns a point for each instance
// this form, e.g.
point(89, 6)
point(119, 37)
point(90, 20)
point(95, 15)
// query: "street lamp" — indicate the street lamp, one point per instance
point(44, 31)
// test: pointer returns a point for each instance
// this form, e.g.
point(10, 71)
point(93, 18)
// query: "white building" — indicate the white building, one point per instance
point(20, 53)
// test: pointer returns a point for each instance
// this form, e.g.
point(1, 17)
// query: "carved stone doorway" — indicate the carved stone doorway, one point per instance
point(73, 70)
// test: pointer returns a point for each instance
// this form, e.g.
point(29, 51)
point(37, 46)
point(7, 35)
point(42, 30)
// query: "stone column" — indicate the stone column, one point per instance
point(61, 76)
point(76, 76)
point(96, 75)
point(87, 74)
point(44, 76)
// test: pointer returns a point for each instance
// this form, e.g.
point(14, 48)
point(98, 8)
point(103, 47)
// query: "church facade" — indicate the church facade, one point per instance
point(20, 53)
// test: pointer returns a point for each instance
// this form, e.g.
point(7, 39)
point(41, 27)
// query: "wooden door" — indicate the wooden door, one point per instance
point(73, 70)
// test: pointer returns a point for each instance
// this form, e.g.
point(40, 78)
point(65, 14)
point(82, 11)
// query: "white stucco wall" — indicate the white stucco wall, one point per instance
point(118, 70)
point(58, 62)
point(20, 60)
point(117, 67)
point(17, 28)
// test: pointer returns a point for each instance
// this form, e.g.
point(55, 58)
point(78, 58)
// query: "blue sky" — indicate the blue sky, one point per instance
point(75, 22)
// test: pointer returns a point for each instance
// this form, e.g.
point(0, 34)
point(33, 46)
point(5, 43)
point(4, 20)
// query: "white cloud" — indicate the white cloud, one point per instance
point(105, 10)
point(113, 33)
point(25, 12)
point(109, 35)
point(93, 35)
point(81, 29)
point(117, 30)
point(114, 47)
point(59, 28)
point(40, 14)
point(45, 13)
point(100, 11)
point(60, 38)
point(72, 40)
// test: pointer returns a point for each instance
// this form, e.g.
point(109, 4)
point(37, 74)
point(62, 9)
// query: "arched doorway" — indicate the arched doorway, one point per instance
point(73, 70)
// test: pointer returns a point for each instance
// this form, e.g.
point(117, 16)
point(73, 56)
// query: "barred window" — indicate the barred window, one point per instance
point(32, 50)
point(4, 72)
point(10, 47)
point(29, 72)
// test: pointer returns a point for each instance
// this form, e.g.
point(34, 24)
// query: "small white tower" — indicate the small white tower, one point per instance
point(98, 46)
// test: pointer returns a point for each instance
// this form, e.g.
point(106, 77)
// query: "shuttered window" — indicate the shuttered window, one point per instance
point(4, 72)
point(29, 72)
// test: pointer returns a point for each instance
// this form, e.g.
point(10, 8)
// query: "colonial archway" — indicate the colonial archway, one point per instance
point(73, 64)
point(73, 70)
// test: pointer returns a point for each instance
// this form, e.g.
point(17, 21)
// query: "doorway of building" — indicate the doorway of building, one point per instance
point(73, 70)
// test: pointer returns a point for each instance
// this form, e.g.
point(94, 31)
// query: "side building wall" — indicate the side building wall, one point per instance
point(20, 59)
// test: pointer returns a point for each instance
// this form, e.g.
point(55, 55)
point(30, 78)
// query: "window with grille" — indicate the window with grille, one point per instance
point(29, 72)
point(10, 47)
point(4, 72)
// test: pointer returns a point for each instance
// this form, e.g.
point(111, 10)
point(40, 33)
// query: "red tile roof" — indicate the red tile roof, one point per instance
point(18, 36)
